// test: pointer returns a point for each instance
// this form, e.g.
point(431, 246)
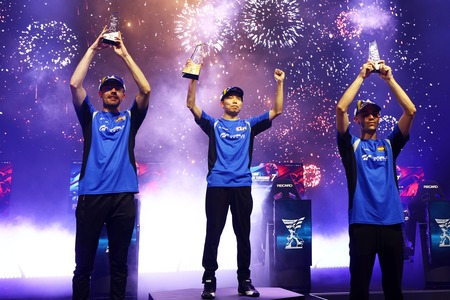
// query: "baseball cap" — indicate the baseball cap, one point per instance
point(232, 90)
point(363, 103)
point(110, 78)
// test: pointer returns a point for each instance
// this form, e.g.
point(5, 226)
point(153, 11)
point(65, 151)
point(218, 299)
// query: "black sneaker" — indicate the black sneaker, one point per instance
point(209, 289)
point(246, 288)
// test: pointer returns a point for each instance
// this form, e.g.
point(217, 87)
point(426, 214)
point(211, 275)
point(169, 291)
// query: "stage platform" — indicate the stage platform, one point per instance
point(267, 293)
point(378, 295)
point(274, 293)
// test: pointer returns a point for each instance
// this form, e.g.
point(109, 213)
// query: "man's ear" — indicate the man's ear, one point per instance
point(100, 94)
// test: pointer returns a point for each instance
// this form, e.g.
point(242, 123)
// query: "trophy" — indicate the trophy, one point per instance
point(192, 71)
point(374, 55)
point(113, 32)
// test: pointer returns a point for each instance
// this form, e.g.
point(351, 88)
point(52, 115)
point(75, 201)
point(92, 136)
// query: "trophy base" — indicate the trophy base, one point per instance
point(190, 76)
point(109, 38)
point(377, 69)
point(106, 41)
point(191, 71)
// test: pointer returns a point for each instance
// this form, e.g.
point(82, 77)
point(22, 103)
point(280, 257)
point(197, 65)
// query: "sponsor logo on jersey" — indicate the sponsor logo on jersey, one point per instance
point(224, 135)
point(112, 130)
point(374, 158)
point(121, 118)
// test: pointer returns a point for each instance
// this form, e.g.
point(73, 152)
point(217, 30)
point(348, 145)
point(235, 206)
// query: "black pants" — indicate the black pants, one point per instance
point(118, 213)
point(218, 201)
point(365, 242)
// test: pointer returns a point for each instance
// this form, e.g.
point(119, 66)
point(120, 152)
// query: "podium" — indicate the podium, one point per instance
point(429, 191)
point(292, 245)
point(435, 239)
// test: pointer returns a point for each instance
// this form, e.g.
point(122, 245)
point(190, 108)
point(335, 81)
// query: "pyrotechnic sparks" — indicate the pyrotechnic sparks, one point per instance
point(311, 175)
point(372, 17)
point(204, 23)
point(386, 124)
point(273, 23)
point(47, 46)
point(348, 24)
point(5, 11)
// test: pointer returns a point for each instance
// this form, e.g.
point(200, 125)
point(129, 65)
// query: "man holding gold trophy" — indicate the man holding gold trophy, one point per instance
point(229, 178)
point(108, 179)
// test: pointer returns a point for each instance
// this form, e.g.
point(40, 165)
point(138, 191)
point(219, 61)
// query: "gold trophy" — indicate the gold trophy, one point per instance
point(113, 32)
point(192, 70)
point(374, 55)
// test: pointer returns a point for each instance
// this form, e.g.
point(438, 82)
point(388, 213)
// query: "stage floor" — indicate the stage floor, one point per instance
point(267, 293)
point(326, 284)
point(273, 293)
point(60, 289)
point(378, 295)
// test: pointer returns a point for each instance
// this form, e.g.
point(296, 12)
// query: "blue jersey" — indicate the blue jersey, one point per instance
point(370, 168)
point(230, 148)
point(108, 155)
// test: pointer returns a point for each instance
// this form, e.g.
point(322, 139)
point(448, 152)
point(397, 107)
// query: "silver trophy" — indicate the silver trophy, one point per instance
point(113, 30)
point(192, 71)
point(374, 55)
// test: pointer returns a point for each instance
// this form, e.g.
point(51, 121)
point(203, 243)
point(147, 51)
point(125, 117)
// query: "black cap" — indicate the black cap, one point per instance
point(363, 103)
point(115, 78)
point(232, 90)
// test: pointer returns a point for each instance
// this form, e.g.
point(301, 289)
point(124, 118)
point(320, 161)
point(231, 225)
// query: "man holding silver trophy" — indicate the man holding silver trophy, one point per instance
point(375, 212)
point(229, 178)
point(108, 179)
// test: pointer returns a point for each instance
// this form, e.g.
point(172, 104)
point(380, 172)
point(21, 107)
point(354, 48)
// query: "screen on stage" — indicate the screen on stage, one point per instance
point(409, 178)
point(283, 175)
point(438, 233)
point(272, 181)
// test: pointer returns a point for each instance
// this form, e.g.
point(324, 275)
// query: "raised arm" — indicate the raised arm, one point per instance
point(409, 109)
point(143, 95)
point(76, 81)
point(342, 121)
point(277, 108)
point(190, 99)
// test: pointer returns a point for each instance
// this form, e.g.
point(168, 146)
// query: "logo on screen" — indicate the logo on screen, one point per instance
point(445, 237)
point(293, 240)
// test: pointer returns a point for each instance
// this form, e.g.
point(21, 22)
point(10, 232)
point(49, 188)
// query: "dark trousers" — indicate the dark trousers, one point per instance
point(218, 201)
point(366, 241)
point(118, 213)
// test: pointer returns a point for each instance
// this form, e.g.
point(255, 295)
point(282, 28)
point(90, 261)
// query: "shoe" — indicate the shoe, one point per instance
point(246, 288)
point(209, 289)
